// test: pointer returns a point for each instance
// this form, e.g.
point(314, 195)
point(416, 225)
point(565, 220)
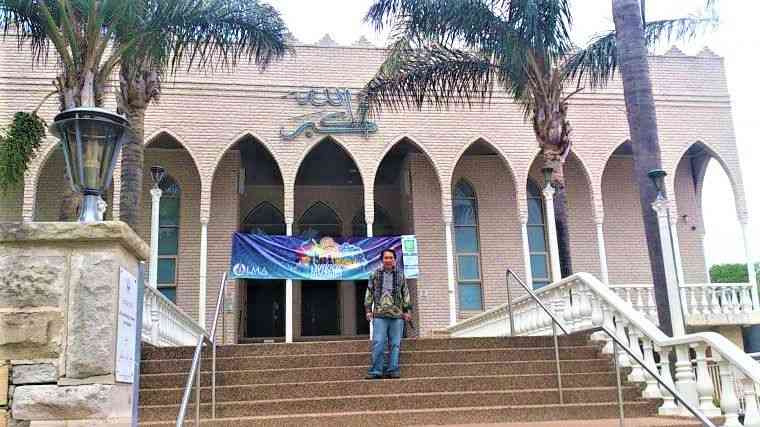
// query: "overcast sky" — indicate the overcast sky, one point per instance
point(736, 40)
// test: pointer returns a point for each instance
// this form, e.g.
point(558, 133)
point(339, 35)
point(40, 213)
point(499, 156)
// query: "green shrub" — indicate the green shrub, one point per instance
point(18, 146)
point(730, 273)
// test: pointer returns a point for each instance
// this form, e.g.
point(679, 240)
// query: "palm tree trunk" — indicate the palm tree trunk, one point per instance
point(563, 231)
point(642, 123)
point(132, 155)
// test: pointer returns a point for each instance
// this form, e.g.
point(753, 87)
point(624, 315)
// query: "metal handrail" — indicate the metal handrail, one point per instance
point(616, 343)
point(195, 366)
point(555, 323)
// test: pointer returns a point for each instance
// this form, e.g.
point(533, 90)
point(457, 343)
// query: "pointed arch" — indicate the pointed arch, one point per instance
point(264, 218)
point(241, 138)
point(492, 147)
point(156, 136)
point(327, 140)
point(415, 143)
point(320, 218)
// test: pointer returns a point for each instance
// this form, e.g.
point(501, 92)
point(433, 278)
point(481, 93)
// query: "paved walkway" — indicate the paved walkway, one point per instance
point(632, 422)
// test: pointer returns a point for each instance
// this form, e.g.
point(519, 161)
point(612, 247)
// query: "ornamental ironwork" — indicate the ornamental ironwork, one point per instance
point(328, 121)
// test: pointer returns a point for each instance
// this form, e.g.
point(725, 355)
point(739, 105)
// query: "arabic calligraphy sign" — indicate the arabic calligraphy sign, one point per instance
point(328, 121)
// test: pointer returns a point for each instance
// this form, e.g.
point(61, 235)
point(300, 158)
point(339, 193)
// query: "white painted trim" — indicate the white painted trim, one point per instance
point(551, 231)
point(155, 194)
point(202, 275)
point(451, 275)
point(602, 252)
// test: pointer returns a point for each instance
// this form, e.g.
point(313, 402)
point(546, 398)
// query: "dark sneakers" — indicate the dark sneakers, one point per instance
point(373, 377)
point(393, 376)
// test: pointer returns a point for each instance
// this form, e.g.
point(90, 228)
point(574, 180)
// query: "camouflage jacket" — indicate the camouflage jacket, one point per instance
point(399, 301)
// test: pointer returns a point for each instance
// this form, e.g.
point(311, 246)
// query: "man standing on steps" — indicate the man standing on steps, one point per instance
point(387, 305)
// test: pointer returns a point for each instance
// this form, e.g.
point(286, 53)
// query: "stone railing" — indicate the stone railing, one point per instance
point(164, 324)
point(584, 303)
point(709, 304)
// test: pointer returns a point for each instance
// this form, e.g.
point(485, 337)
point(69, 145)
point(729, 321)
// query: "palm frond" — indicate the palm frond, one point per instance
point(216, 33)
point(597, 63)
point(435, 76)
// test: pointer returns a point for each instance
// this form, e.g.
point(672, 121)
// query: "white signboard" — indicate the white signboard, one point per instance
point(127, 327)
point(410, 256)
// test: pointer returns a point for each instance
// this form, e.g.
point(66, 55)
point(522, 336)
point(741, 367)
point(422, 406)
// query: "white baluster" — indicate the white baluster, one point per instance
point(668, 407)
point(640, 300)
point(637, 372)
point(620, 323)
point(705, 387)
point(716, 308)
point(684, 291)
point(651, 304)
point(609, 324)
point(704, 304)
point(155, 317)
point(751, 414)
point(651, 391)
point(578, 307)
point(693, 303)
point(746, 299)
point(567, 311)
point(728, 400)
point(686, 384)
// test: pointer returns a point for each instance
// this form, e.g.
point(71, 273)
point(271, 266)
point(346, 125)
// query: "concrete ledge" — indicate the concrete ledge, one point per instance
point(107, 231)
point(54, 403)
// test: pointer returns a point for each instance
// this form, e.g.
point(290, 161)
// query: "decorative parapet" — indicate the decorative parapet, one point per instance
point(327, 41)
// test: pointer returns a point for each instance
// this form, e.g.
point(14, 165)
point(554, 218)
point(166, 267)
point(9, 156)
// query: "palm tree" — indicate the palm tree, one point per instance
point(147, 39)
point(451, 51)
point(628, 46)
point(80, 32)
point(216, 33)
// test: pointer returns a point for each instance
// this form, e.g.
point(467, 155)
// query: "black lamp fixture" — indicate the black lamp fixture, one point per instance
point(547, 171)
point(658, 179)
point(91, 139)
point(157, 173)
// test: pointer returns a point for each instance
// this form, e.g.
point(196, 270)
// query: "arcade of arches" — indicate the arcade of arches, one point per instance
point(490, 229)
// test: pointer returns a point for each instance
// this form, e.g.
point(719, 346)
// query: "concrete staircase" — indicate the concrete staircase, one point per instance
point(445, 381)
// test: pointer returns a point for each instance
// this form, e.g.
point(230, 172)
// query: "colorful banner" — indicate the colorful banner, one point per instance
point(259, 256)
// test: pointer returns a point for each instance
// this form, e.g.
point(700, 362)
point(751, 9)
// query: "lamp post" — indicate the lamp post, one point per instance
point(660, 206)
point(91, 139)
point(685, 379)
point(157, 173)
point(551, 225)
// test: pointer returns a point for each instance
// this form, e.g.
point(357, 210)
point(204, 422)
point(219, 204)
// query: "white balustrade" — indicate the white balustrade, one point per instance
point(718, 372)
point(164, 324)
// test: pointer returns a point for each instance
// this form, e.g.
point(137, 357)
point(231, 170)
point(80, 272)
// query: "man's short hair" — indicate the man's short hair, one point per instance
point(391, 251)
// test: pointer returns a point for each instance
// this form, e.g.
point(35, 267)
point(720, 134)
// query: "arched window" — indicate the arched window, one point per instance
point(319, 221)
point(467, 244)
point(264, 219)
point(168, 237)
point(383, 226)
point(539, 254)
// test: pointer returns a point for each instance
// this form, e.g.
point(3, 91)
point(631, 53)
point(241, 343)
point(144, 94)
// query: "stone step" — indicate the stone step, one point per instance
point(437, 370)
point(437, 416)
point(395, 402)
point(362, 358)
point(357, 346)
point(169, 396)
point(608, 422)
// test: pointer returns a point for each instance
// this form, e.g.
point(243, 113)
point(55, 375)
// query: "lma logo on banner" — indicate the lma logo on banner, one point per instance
point(241, 269)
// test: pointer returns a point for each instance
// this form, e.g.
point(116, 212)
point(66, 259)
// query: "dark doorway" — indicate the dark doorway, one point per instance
point(265, 309)
point(319, 308)
point(362, 325)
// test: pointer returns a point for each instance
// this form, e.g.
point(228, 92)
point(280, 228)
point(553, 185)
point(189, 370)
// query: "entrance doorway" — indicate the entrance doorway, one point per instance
point(362, 325)
point(265, 317)
point(319, 308)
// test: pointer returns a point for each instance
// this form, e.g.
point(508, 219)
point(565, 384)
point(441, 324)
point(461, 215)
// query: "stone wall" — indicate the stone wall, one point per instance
point(59, 298)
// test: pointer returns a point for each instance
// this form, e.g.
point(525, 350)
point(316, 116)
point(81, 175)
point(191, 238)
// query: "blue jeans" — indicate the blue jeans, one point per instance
point(383, 329)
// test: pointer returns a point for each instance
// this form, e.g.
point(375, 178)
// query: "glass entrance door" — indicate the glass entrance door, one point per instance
point(319, 308)
point(265, 317)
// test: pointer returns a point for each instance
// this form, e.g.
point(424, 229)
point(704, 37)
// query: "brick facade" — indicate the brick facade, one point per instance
point(206, 116)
